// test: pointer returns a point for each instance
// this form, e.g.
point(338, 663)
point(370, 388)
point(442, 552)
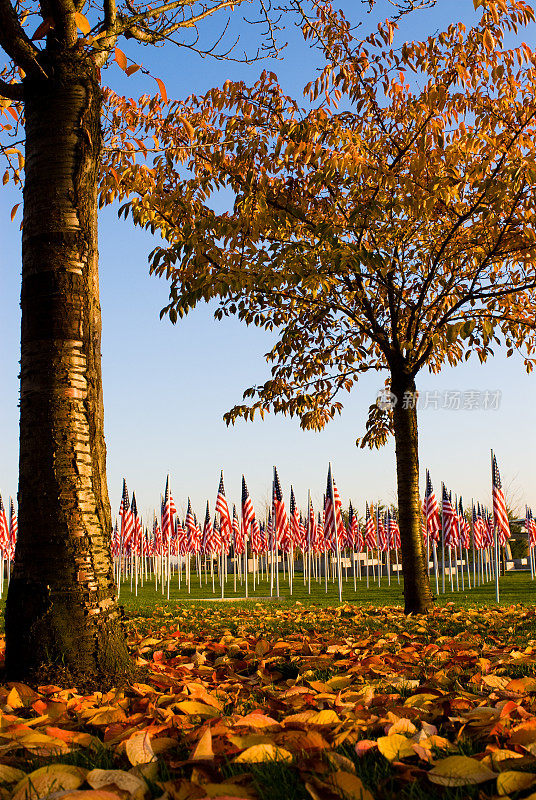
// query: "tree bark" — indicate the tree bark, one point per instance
point(417, 592)
point(61, 610)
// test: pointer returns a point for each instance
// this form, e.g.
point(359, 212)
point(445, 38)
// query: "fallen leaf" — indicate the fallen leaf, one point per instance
point(48, 779)
point(263, 752)
point(348, 786)
point(138, 748)
point(395, 747)
point(511, 781)
point(203, 749)
point(460, 771)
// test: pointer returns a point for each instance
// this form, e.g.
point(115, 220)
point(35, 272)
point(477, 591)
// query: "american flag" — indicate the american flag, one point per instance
point(383, 535)
point(332, 515)
point(478, 528)
point(13, 525)
point(303, 535)
point(168, 512)
point(115, 540)
point(257, 542)
point(295, 533)
point(248, 514)
point(357, 535)
point(238, 537)
point(157, 536)
point(530, 524)
point(394, 532)
point(450, 527)
point(208, 534)
point(370, 529)
point(320, 532)
point(191, 529)
point(182, 539)
point(280, 521)
point(489, 531)
point(127, 522)
point(312, 533)
point(499, 505)
point(137, 527)
point(4, 528)
point(431, 510)
point(226, 526)
point(463, 525)
point(196, 541)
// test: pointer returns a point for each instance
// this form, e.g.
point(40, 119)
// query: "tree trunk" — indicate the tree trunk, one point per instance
point(417, 592)
point(61, 610)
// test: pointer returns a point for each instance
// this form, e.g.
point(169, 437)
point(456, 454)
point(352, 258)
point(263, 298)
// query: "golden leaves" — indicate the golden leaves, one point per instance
point(460, 771)
point(82, 23)
point(367, 684)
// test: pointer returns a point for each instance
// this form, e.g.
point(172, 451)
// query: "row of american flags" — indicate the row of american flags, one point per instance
point(291, 536)
point(257, 544)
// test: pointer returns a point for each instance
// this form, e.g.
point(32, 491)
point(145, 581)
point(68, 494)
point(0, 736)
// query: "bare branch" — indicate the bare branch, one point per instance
point(13, 91)
point(15, 42)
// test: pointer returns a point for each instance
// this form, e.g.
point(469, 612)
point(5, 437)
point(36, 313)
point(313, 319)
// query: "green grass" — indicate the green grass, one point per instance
point(514, 588)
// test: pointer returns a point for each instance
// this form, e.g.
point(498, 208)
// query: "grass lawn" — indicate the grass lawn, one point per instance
point(296, 698)
point(514, 588)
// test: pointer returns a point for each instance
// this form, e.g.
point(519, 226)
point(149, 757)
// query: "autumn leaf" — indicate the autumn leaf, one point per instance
point(460, 771)
point(348, 786)
point(82, 23)
point(138, 748)
point(120, 59)
point(510, 781)
point(203, 749)
point(162, 88)
point(263, 752)
point(395, 747)
point(45, 779)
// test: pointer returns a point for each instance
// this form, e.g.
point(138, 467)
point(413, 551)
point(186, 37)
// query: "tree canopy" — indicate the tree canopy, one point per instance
point(387, 222)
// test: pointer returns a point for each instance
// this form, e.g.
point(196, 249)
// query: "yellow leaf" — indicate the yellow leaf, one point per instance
point(203, 748)
point(116, 778)
point(14, 211)
point(82, 23)
point(348, 786)
point(395, 747)
point(139, 750)
point(14, 699)
point(338, 683)
point(257, 721)
point(105, 715)
point(325, 717)
point(489, 41)
point(262, 647)
point(121, 60)
point(162, 88)
point(10, 774)
point(243, 742)
point(263, 752)
point(192, 707)
point(460, 771)
point(52, 778)
point(510, 781)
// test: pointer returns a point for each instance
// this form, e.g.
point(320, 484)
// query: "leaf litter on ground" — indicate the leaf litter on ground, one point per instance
point(306, 702)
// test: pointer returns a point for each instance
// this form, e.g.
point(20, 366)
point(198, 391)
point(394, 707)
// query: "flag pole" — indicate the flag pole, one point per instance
point(442, 539)
point(496, 538)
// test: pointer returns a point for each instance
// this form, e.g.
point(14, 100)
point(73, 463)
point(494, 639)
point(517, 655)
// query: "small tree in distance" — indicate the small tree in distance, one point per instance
point(395, 231)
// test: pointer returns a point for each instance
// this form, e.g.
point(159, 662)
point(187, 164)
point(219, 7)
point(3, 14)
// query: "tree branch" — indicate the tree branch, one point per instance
point(13, 91)
point(15, 42)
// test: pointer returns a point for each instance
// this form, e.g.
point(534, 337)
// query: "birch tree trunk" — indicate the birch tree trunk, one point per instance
point(417, 592)
point(61, 607)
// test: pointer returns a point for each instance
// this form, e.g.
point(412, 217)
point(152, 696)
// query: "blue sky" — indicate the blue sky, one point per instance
point(166, 387)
